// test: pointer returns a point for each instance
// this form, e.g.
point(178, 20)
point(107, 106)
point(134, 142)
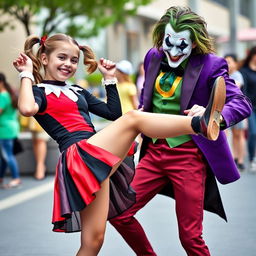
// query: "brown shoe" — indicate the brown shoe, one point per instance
point(210, 121)
point(208, 125)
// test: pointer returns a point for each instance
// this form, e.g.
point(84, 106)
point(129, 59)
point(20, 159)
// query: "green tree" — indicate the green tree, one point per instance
point(79, 18)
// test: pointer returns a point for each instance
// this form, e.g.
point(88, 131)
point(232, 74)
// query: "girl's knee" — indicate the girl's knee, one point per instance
point(93, 241)
point(132, 117)
point(132, 114)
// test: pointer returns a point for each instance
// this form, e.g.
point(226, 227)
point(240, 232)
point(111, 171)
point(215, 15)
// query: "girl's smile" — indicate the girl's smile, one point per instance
point(62, 63)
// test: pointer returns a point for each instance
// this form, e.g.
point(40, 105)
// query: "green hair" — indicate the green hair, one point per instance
point(182, 18)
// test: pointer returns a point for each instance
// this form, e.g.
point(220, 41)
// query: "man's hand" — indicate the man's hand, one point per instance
point(196, 110)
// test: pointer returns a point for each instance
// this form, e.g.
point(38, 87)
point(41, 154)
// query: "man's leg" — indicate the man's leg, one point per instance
point(148, 181)
point(189, 186)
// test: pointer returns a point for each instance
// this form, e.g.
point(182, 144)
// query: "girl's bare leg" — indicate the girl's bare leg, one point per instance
point(119, 135)
point(93, 222)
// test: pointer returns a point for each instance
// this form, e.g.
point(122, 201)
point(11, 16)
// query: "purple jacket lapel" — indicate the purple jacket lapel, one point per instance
point(152, 71)
point(191, 75)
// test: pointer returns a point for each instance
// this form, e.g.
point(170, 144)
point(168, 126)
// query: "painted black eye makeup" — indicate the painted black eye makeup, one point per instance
point(167, 42)
point(183, 45)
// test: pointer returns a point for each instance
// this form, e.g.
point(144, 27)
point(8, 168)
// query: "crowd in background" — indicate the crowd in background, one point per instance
point(244, 133)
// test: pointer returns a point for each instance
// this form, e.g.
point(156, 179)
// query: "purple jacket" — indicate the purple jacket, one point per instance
point(199, 76)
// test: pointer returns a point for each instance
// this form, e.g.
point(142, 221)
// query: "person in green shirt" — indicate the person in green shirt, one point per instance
point(9, 129)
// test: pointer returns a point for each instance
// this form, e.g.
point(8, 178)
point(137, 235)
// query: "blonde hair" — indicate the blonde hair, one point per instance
point(48, 46)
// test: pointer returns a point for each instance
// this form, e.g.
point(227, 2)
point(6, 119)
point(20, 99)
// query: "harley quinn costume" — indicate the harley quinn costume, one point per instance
point(64, 115)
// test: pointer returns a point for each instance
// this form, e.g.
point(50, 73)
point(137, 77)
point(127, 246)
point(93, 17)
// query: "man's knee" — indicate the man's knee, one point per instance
point(121, 221)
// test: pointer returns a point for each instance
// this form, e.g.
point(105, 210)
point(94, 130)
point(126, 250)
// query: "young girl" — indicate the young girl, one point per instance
point(88, 159)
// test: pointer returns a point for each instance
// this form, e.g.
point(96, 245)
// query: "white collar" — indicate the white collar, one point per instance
point(66, 89)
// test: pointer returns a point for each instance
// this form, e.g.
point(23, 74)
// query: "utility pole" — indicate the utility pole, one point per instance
point(252, 7)
point(194, 5)
point(233, 15)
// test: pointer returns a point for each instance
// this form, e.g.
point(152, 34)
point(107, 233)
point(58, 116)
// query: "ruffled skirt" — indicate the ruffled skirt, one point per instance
point(79, 173)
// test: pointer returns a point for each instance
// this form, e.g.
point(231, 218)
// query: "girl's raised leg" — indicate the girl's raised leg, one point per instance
point(119, 135)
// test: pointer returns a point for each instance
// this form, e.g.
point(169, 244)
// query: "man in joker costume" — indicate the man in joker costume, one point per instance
point(179, 74)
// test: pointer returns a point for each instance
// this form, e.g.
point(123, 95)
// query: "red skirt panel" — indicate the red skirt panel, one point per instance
point(80, 170)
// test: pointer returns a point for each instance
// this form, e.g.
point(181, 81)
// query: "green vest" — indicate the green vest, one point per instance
point(166, 99)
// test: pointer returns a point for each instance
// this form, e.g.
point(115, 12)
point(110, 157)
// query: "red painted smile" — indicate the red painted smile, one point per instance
point(175, 58)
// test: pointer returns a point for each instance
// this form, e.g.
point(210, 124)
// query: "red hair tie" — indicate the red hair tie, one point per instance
point(43, 39)
point(81, 47)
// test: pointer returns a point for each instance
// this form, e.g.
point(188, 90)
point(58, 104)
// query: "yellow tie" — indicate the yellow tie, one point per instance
point(171, 90)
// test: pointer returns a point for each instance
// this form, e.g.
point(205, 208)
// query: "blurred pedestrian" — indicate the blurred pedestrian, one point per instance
point(126, 88)
point(39, 144)
point(248, 71)
point(9, 129)
point(139, 78)
point(39, 141)
point(238, 130)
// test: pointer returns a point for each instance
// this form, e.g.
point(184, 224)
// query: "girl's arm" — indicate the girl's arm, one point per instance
point(112, 109)
point(26, 102)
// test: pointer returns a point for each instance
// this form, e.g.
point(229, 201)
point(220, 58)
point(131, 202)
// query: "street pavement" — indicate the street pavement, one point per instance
point(25, 217)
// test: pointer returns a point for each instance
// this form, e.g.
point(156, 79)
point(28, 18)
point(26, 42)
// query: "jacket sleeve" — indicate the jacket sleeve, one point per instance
point(237, 106)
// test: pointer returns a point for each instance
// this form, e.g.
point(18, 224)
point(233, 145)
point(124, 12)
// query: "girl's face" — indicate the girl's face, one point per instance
point(62, 63)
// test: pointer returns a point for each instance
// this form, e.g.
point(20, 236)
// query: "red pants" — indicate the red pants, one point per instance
point(184, 167)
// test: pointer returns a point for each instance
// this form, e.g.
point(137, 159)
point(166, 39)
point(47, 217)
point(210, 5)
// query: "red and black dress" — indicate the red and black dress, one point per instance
point(64, 115)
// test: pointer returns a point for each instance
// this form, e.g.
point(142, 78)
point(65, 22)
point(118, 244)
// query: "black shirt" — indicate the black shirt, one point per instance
point(249, 88)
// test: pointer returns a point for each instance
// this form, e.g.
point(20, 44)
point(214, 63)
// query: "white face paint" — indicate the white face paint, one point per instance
point(176, 45)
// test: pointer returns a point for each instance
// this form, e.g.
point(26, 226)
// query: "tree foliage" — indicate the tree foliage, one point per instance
point(79, 18)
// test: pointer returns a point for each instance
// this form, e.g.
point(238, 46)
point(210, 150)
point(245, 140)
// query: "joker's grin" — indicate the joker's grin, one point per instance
point(174, 58)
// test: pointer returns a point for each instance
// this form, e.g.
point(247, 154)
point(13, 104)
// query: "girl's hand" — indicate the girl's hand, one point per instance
point(23, 63)
point(107, 68)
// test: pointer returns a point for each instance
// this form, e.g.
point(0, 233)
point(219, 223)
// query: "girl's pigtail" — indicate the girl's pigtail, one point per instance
point(28, 49)
point(89, 59)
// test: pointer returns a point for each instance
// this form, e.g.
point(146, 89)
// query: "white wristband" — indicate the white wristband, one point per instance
point(27, 74)
point(109, 81)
